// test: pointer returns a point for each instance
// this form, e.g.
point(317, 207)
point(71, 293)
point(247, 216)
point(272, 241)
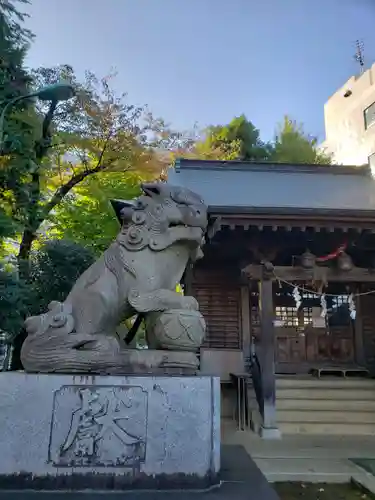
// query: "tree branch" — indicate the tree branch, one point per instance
point(100, 159)
point(63, 190)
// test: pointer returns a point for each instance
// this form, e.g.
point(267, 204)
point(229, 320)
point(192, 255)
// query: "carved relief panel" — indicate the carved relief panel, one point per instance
point(98, 426)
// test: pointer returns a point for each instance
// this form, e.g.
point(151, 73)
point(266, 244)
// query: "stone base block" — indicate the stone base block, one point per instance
point(269, 432)
point(108, 432)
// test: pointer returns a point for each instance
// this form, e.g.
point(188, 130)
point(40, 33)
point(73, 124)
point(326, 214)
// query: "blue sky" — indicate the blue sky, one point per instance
point(206, 61)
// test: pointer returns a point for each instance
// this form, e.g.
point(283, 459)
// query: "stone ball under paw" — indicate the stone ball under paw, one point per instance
point(176, 329)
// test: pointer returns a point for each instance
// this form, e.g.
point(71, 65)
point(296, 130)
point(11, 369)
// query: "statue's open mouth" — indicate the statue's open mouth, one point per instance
point(150, 190)
point(190, 215)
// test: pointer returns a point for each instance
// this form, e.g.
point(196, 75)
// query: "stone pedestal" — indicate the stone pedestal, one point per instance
point(269, 433)
point(108, 432)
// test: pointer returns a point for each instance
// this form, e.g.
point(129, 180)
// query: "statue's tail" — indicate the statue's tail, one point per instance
point(73, 353)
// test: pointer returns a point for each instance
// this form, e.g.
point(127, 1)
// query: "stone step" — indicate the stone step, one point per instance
point(342, 429)
point(341, 405)
point(325, 383)
point(309, 470)
point(332, 405)
point(343, 394)
point(321, 416)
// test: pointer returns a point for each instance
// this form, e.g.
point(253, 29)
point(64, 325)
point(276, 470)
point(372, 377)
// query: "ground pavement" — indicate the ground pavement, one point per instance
point(242, 480)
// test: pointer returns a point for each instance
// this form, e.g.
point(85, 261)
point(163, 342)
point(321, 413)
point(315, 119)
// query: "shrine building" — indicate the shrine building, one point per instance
point(285, 286)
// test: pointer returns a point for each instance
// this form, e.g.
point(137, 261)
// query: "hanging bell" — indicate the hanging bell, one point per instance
point(308, 260)
point(344, 262)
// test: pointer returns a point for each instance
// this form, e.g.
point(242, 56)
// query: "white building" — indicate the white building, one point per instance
point(349, 116)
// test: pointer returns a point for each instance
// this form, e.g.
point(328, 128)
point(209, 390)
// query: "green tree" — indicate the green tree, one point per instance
point(7, 226)
point(22, 125)
point(293, 145)
point(238, 140)
point(87, 216)
point(14, 299)
point(55, 267)
point(97, 132)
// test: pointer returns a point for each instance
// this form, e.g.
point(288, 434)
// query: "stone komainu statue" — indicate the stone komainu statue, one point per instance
point(161, 232)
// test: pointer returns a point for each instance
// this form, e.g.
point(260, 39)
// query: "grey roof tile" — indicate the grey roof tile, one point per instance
point(244, 186)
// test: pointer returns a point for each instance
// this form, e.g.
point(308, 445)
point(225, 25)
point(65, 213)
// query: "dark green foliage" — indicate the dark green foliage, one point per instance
point(14, 298)
point(21, 124)
point(293, 145)
point(14, 40)
point(54, 269)
point(88, 217)
point(239, 140)
point(12, 29)
point(7, 225)
point(242, 132)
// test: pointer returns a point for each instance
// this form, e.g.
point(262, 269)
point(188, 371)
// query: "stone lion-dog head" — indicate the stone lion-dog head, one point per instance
point(161, 216)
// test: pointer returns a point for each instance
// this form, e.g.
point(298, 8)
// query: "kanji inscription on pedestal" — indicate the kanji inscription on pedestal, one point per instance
point(96, 426)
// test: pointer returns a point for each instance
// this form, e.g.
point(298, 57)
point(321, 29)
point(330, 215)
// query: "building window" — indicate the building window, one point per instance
point(369, 115)
point(288, 316)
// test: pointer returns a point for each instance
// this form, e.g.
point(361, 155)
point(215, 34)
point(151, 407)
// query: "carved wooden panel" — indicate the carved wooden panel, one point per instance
point(332, 345)
point(342, 343)
point(317, 345)
point(289, 349)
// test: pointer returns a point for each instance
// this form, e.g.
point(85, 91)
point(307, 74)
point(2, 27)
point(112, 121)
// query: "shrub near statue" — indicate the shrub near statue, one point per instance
point(161, 232)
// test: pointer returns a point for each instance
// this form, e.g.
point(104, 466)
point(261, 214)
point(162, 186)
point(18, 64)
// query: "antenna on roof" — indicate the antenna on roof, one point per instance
point(359, 55)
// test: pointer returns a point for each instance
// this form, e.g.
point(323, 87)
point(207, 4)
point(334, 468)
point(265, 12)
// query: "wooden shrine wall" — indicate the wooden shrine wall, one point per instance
point(299, 345)
point(367, 321)
point(219, 297)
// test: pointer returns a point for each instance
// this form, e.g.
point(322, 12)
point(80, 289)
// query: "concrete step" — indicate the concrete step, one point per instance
point(342, 429)
point(321, 416)
point(336, 406)
point(339, 405)
point(344, 394)
point(324, 383)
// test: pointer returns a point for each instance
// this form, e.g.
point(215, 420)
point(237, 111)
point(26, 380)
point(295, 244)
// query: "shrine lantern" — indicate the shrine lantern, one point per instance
point(308, 260)
point(344, 262)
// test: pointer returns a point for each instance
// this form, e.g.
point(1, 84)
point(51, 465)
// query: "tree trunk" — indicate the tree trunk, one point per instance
point(29, 232)
point(23, 257)
point(35, 221)
point(25, 247)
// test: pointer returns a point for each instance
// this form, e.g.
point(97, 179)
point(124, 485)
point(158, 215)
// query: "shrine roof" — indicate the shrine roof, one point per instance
point(250, 187)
